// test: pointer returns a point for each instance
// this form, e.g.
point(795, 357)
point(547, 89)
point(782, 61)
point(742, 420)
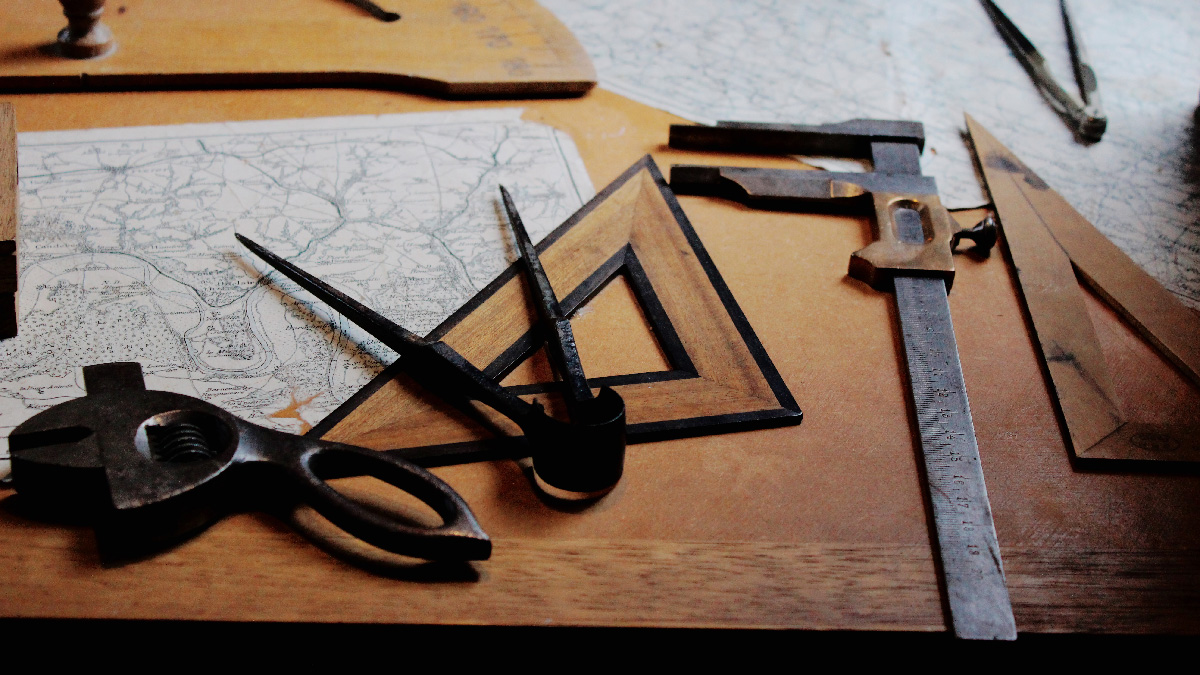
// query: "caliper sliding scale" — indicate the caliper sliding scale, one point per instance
point(913, 254)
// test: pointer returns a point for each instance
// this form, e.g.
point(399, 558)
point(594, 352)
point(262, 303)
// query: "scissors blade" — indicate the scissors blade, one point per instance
point(560, 345)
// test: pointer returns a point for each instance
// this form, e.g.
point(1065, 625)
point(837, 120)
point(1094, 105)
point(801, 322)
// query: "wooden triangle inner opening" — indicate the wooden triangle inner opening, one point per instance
point(613, 335)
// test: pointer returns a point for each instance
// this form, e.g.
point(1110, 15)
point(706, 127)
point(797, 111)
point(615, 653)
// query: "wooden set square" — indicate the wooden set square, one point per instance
point(719, 379)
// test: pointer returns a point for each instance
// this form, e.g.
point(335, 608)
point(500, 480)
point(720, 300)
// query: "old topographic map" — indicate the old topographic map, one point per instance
point(128, 254)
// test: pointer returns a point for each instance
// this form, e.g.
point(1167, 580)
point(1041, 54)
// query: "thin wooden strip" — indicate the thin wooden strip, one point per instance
point(1155, 312)
point(8, 221)
point(1070, 349)
point(700, 318)
point(8, 173)
point(401, 414)
point(489, 329)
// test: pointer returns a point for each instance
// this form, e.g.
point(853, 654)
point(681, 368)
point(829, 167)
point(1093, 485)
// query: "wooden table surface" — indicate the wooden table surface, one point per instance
point(818, 526)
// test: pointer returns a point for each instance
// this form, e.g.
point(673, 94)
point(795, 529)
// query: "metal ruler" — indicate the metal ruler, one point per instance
point(968, 549)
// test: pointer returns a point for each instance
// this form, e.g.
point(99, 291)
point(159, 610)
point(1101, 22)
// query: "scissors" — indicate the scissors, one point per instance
point(1083, 114)
point(580, 458)
point(152, 466)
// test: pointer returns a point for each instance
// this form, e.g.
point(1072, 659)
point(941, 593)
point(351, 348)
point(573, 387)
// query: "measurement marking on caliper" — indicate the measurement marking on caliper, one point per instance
point(968, 547)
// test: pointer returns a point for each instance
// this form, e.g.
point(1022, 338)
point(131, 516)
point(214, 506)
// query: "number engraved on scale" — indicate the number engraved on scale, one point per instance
point(517, 66)
point(468, 13)
point(494, 38)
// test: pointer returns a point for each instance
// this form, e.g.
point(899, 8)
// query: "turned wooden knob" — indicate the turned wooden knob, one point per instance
point(85, 37)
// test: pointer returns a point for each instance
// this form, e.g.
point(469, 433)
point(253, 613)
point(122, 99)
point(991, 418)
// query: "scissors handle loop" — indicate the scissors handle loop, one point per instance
point(458, 538)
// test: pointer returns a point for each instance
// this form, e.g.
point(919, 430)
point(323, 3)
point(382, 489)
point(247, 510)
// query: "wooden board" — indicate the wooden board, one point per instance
point(464, 48)
point(8, 221)
point(718, 378)
point(1048, 242)
point(817, 526)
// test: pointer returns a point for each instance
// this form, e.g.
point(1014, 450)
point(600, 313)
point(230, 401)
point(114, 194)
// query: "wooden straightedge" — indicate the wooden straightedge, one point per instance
point(720, 377)
point(464, 48)
point(8, 221)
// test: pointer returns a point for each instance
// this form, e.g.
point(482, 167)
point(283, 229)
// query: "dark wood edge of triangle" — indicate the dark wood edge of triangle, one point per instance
point(741, 323)
point(785, 411)
point(626, 263)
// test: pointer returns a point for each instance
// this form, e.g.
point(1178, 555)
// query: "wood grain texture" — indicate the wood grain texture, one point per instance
point(1056, 591)
point(526, 582)
point(1051, 294)
point(465, 48)
point(818, 525)
point(1048, 241)
point(586, 583)
point(8, 221)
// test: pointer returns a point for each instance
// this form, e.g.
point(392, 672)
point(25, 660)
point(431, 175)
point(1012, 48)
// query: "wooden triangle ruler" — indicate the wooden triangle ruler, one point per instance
point(720, 377)
point(1049, 243)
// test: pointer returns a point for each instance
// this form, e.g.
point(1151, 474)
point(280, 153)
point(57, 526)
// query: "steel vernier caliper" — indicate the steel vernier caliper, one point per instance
point(912, 255)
